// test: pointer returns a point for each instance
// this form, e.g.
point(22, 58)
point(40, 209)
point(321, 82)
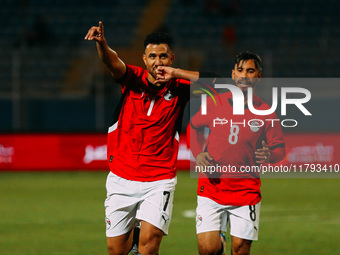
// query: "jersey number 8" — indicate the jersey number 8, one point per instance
point(234, 130)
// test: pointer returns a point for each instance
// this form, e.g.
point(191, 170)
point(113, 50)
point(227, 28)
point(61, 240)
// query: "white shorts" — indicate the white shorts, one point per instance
point(128, 202)
point(243, 220)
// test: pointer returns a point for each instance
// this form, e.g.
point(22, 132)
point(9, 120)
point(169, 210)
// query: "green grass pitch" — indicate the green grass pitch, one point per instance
point(63, 213)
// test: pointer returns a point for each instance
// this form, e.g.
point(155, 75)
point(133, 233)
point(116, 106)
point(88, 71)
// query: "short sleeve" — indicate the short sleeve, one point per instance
point(131, 78)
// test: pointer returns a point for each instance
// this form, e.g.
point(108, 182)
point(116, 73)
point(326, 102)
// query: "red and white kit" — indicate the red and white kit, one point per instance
point(234, 144)
point(143, 139)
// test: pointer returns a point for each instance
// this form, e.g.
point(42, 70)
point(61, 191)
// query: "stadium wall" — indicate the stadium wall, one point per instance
point(55, 152)
point(81, 115)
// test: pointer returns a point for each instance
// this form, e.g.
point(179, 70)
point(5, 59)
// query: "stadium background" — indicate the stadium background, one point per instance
point(53, 84)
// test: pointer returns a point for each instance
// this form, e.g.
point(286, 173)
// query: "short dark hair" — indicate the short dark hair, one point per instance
point(158, 38)
point(246, 55)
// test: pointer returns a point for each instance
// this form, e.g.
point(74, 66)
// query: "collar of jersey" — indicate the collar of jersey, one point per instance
point(152, 89)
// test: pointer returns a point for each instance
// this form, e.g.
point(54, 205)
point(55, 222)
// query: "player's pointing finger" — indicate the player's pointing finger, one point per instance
point(101, 27)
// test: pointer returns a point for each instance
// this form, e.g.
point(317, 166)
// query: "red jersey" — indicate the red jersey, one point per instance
point(232, 141)
point(143, 138)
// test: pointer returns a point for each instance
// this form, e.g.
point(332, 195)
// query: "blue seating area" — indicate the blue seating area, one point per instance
point(45, 64)
point(302, 36)
point(296, 38)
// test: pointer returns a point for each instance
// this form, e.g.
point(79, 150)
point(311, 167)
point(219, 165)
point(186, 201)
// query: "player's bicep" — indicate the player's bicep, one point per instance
point(118, 69)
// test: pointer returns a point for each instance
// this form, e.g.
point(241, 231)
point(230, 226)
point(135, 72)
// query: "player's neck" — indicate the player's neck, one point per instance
point(245, 94)
point(151, 80)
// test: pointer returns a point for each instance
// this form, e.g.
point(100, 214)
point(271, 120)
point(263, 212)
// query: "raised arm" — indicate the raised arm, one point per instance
point(107, 55)
point(166, 73)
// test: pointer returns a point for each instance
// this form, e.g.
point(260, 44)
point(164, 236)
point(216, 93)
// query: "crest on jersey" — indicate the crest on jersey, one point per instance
point(168, 96)
point(254, 126)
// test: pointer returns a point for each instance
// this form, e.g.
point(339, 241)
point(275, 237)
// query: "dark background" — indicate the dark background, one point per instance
point(51, 79)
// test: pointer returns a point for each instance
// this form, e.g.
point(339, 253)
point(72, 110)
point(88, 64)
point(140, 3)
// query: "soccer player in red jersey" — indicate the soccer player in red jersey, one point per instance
point(142, 145)
point(232, 196)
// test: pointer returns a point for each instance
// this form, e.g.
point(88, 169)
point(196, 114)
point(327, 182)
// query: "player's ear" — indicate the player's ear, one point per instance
point(144, 58)
point(172, 58)
point(233, 74)
point(259, 77)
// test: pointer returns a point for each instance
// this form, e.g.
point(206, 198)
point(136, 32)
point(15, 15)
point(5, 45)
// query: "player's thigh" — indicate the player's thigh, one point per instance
point(244, 221)
point(120, 206)
point(150, 238)
point(119, 244)
point(210, 216)
point(209, 242)
point(156, 207)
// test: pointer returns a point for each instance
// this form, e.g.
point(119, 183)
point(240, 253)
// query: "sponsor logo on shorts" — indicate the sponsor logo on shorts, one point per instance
point(165, 219)
point(108, 223)
point(199, 220)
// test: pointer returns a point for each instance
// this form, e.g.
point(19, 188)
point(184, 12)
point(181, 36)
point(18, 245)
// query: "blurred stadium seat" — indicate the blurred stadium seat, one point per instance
point(301, 37)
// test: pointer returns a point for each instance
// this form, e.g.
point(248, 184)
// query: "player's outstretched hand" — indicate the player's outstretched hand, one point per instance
point(96, 33)
point(164, 74)
point(263, 154)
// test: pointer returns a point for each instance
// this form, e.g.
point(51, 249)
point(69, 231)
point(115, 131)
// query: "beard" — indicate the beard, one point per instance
point(244, 84)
